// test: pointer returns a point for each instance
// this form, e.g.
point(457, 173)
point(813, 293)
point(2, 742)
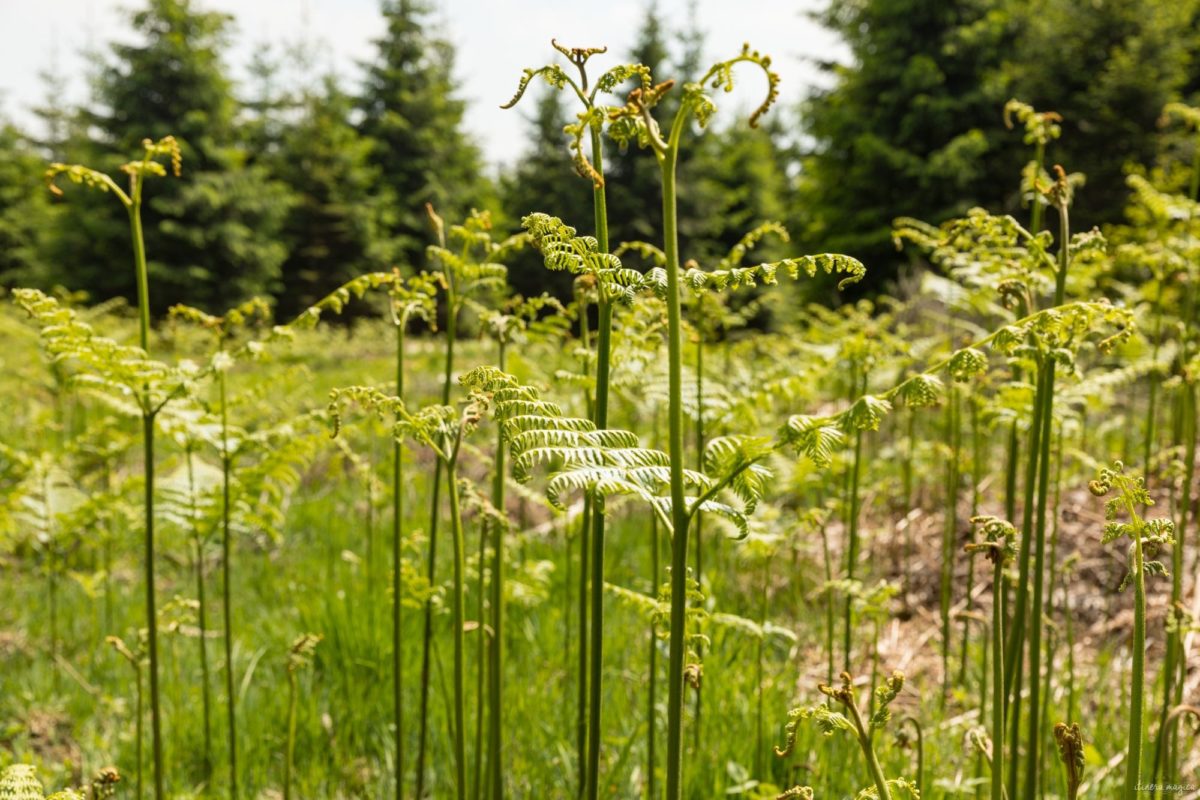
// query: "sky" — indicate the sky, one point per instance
point(494, 40)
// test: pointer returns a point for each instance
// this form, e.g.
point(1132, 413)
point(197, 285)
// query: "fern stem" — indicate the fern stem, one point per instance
point(679, 513)
point(452, 306)
point(998, 705)
point(585, 528)
point(459, 547)
point(496, 670)
point(603, 353)
point(864, 741)
point(699, 525)
point(397, 572)
point(226, 590)
point(1133, 757)
point(1013, 667)
point(651, 690)
point(134, 207)
point(482, 665)
point(1036, 621)
point(201, 615)
point(949, 530)
point(289, 755)
point(151, 613)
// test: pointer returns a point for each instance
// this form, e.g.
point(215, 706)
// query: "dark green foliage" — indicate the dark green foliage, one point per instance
point(213, 238)
point(330, 231)
point(24, 210)
point(1108, 72)
point(411, 112)
point(913, 106)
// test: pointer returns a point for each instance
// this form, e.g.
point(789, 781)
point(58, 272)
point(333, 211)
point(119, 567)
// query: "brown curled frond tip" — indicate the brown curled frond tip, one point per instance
point(577, 55)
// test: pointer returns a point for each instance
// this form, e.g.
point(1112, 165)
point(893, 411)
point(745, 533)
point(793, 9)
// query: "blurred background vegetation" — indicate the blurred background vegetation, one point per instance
point(290, 192)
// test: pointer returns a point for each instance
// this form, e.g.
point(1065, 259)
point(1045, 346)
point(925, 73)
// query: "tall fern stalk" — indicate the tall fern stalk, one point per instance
point(132, 201)
point(603, 353)
point(226, 591)
point(397, 580)
point(434, 504)
point(496, 654)
point(1061, 195)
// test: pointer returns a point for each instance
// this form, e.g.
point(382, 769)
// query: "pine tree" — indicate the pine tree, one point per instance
point(329, 231)
point(911, 126)
point(412, 115)
point(211, 238)
point(25, 211)
point(1108, 72)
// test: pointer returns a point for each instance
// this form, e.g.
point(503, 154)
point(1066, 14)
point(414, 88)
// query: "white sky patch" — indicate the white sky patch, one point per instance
point(494, 40)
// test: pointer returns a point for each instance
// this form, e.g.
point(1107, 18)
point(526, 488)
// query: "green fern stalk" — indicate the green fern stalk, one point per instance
point(201, 614)
point(496, 654)
point(668, 158)
point(1043, 491)
point(226, 588)
point(452, 305)
point(852, 516)
point(457, 620)
point(651, 687)
point(999, 545)
point(397, 572)
point(603, 357)
point(949, 531)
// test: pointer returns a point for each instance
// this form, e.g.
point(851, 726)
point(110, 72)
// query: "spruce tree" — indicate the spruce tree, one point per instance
point(25, 211)
point(911, 126)
point(411, 113)
point(211, 238)
point(330, 228)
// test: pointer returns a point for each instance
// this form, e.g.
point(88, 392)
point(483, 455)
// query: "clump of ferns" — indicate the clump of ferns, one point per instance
point(20, 782)
point(190, 497)
point(44, 518)
point(608, 463)
point(705, 626)
point(1162, 238)
point(853, 721)
point(409, 299)
point(562, 249)
point(1000, 249)
point(128, 370)
point(508, 327)
point(441, 429)
point(469, 262)
point(1147, 537)
point(758, 552)
point(132, 383)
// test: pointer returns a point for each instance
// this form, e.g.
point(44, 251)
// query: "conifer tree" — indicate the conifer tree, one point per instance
point(212, 238)
point(330, 230)
point(411, 113)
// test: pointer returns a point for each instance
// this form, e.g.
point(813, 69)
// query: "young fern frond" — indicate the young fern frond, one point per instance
point(1055, 333)
point(611, 462)
point(99, 363)
point(590, 121)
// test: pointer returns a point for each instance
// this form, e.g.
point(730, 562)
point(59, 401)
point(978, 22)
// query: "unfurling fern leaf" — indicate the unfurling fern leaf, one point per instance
point(610, 463)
